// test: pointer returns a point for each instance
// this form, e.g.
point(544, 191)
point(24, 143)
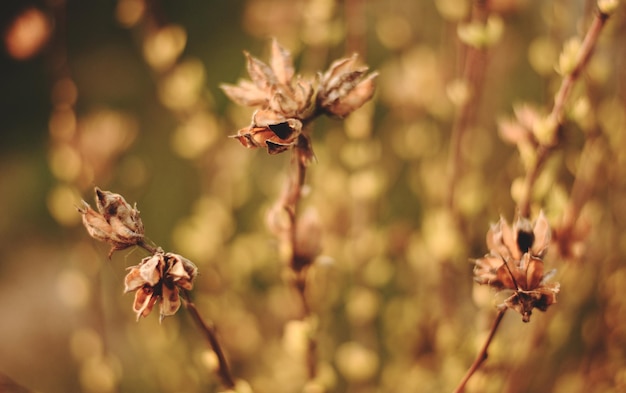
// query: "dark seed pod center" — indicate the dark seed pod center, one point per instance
point(525, 240)
point(282, 130)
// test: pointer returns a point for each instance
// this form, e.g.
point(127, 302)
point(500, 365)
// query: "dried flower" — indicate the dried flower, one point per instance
point(286, 101)
point(343, 88)
point(116, 222)
point(159, 277)
point(515, 264)
point(283, 98)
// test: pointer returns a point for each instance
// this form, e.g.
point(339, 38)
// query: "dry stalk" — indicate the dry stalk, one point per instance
point(483, 354)
point(556, 115)
point(473, 75)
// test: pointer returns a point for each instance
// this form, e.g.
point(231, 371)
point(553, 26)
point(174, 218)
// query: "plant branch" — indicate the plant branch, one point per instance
point(556, 115)
point(223, 371)
point(482, 355)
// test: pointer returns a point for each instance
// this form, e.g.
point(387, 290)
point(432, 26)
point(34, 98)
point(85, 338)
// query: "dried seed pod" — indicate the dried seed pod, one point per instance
point(116, 222)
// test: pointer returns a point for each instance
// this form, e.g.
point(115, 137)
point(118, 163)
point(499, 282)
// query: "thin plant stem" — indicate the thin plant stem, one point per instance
point(208, 330)
point(297, 181)
point(556, 115)
point(482, 355)
point(473, 74)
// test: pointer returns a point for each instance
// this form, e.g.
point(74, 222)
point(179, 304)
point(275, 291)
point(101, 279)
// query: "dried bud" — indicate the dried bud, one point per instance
point(308, 239)
point(159, 278)
point(116, 222)
point(343, 88)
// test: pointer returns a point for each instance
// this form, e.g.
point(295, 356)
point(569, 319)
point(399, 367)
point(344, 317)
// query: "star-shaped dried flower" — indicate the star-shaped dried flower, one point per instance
point(159, 278)
point(286, 101)
point(283, 99)
point(515, 265)
point(116, 222)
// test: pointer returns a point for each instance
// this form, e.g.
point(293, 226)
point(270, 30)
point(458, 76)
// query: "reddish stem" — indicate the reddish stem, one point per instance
point(482, 355)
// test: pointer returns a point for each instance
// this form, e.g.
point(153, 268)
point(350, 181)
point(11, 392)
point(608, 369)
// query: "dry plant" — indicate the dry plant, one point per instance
point(286, 105)
point(514, 266)
point(162, 277)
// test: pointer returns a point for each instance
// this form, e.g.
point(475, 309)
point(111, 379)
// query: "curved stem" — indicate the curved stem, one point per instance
point(556, 115)
point(482, 355)
point(223, 371)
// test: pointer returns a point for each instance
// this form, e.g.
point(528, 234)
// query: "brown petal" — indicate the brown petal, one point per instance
point(96, 225)
point(508, 275)
point(144, 301)
point(281, 63)
point(262, 75)
point(151, 269)
point(170, 303)
point(337, 70)
point(182, 272)
point(534, 272)
point(265, 117)
point(543, 234)
point(245, 93)
point(133, 280)
point(355, 98)
point(509, 240)
point(485, 271)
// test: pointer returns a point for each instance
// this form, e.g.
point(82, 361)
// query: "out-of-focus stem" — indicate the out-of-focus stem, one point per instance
point(299, 162)
point(473, 75)
point(482, 355)
point(223, 371)
point(556, 115)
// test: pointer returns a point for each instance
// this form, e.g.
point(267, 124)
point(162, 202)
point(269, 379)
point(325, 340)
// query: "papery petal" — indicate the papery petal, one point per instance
point(151, 269)
point(260, 73)
point(543, 235)
point(246, 93)
point(96, 225)
point(485, 270)
point(534, 272)
point(133, 280)
point(355, 98)
point(281, 63)
point(144, 301)
point(509, 240)
point(170, 302)
point(332, 78)
point(265, 117)
point(508, 276)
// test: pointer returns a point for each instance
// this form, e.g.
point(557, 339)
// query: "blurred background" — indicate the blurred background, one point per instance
point(124, 95)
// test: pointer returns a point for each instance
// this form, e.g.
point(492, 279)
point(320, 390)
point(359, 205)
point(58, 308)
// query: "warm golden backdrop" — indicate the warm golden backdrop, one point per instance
point(124, 95)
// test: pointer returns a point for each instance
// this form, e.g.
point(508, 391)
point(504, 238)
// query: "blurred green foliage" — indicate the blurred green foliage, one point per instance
point(124, 95)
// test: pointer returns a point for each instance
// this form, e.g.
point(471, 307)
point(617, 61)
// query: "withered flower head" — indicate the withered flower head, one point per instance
point(515, 264)
point(286, 101)
point(116, 222)
point(283, 100)
point(159, 278)
point(344, 87)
